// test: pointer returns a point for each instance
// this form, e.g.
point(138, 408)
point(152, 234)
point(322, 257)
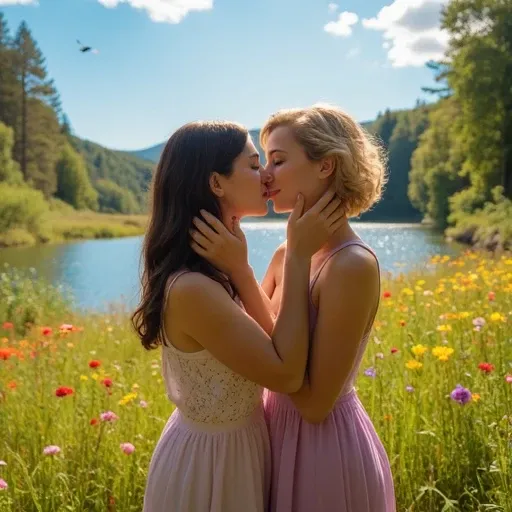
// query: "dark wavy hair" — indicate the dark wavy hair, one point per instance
point(180, 188)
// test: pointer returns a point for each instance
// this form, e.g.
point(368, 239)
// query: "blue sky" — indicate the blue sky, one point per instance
point(162, 63)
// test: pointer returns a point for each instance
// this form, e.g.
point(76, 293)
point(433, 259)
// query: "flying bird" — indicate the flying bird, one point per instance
point(85, 48)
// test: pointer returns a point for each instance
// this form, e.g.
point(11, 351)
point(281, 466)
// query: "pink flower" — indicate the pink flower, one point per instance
point(51, 450)
point(143, 404)
point(3, 484)
point(109, 416)
point(127, 448)
point(508, 378)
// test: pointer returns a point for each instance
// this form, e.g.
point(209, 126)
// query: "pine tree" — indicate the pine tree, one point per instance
point(7, 77)
point(29, 65)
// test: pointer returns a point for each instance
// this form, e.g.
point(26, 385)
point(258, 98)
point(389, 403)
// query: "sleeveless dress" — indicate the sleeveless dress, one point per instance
point(214, 452)
point(339, 465)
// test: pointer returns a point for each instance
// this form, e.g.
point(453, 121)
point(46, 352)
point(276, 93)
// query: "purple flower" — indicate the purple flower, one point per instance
point(109, 416)
point(51, 450)
point(370, 372)
point(409, 389)
point(461, 395)
point(478, 322)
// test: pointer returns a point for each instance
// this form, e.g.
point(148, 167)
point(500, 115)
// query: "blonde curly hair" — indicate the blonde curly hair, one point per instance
point(325, 130)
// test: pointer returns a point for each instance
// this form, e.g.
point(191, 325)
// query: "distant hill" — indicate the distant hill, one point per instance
point(129, 172)
point(399, 131)
point(153, 153)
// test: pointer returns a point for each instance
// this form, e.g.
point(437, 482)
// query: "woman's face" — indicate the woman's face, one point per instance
point(244, 193)
point(290, 172)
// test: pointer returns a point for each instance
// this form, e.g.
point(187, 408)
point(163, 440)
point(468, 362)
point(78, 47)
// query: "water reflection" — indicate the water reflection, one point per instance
point(101, 272)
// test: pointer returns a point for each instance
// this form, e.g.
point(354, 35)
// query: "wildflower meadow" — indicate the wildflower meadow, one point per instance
point(82, 404)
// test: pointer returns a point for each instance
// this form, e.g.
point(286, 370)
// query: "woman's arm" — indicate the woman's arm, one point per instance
point(213, 320)
point(348, 296)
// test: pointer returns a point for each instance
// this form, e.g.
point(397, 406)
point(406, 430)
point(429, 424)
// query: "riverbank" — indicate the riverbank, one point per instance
point(436, 330)
point(76, 225)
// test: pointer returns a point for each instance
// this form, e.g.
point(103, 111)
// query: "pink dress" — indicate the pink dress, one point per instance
point(339, 465)
point(214, 453)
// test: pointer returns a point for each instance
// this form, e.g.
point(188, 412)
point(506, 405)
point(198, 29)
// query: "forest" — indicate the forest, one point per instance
point(449, 158)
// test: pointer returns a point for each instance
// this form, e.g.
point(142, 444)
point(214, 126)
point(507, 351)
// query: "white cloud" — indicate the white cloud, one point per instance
point(411, 29)
point(332, 7)
point(343, 26)
point(18, 2)
point(168, 11)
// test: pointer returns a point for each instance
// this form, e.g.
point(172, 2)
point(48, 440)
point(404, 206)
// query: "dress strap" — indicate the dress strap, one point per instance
point(336, 250)
point(170, 282)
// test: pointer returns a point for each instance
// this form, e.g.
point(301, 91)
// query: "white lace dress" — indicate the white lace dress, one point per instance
point(214, 452)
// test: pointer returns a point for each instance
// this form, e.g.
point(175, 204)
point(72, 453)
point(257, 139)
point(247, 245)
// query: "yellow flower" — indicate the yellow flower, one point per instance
point(408, 292)
point(421, 282)
point(70, 345)
point(388, 417)
point(475, 397)
point(442, 353)
point(444, 328)
point(413, 364)
point(128, 398)
point(497, 317)
point(419, 350)
point(83, 378)
point(95, 376)
point(464, 314)
point(135, 386)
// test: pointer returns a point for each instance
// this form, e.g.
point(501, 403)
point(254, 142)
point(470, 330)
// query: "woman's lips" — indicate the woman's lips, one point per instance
point(271, 193)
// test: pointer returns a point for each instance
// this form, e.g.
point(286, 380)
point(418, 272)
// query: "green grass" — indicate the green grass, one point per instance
point(444, 456)
point(72, 225)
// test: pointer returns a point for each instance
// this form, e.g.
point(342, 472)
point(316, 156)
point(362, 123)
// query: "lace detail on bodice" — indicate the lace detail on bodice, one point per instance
point(205, 390)
point(201, 387)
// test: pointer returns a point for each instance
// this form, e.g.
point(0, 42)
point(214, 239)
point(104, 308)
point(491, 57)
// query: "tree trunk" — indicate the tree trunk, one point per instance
point(23, 148)
point(507, 154)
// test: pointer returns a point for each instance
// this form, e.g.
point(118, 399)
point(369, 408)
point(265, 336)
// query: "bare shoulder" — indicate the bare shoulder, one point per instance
point(192, 286)
point(353, 263)
point(280, 252)
point(278, 258)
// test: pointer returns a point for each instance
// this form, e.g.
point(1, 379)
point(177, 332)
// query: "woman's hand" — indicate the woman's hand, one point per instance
point(224, 249)
point(308, 232)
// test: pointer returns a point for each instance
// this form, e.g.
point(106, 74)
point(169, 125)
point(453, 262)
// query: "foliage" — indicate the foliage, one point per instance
point(74, 186)
point(445, 326)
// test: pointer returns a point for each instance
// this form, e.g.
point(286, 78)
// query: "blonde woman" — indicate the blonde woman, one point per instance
point(326, 454)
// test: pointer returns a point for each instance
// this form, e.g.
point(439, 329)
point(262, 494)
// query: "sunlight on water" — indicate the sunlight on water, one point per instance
point(101, 272)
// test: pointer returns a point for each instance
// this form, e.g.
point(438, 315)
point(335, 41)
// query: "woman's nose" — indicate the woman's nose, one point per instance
point(266, 175)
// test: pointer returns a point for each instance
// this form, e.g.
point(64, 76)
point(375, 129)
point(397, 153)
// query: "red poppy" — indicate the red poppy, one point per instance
point(63, 391)
point(8, 325)
point(491, 296)
point(386, 294)
point(12, 384)
point(486, 367)
point(93, 422)
point(46, 331)
point(107, 382)
point(394, 350)
point(94, 363)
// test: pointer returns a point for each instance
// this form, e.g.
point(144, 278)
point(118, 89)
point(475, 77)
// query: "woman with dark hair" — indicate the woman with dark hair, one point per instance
point(214, 454)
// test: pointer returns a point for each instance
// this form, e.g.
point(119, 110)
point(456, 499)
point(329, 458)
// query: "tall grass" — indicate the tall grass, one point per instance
point(445, 455)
